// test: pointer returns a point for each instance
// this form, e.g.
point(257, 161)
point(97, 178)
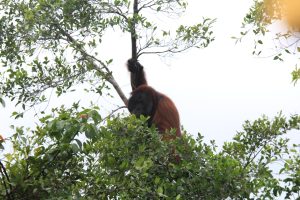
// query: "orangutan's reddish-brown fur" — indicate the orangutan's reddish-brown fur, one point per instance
point(147, 101)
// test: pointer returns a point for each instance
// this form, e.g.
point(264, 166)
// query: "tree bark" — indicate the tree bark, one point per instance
point(133, 31)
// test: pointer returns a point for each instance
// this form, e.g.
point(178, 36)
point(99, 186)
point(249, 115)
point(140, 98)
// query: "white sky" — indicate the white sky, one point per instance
point(215, 89)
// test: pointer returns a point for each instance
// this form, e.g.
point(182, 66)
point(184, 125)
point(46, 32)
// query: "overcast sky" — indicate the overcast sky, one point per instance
point(215, 89)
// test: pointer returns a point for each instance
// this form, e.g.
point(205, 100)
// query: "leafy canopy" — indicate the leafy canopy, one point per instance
point(53, 44)
point(277, 21)
point(125, 159)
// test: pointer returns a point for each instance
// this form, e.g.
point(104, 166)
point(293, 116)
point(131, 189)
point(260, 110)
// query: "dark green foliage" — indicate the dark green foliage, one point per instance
point(76, 155)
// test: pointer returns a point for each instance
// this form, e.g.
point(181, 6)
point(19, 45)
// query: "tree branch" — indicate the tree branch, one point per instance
point(112, 112)
point(133, 31)
point(172, 50)
point(91, 59)
point(5, 176)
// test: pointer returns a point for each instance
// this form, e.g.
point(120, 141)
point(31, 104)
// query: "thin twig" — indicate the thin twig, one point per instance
point(5, 176)
point(112, 112)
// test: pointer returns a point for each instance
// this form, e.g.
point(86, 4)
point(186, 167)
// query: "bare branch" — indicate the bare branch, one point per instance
point(133, 31)
point(147, 5)
point(111, 9)
point(114, 83)
point(112, 112)
point(170, 50)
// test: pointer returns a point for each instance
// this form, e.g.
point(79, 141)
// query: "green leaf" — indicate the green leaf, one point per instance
point(79, 143)
point(2, 102)
point(90, 131)
point(160, 190)
point(139, 163)
point(75, 148)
